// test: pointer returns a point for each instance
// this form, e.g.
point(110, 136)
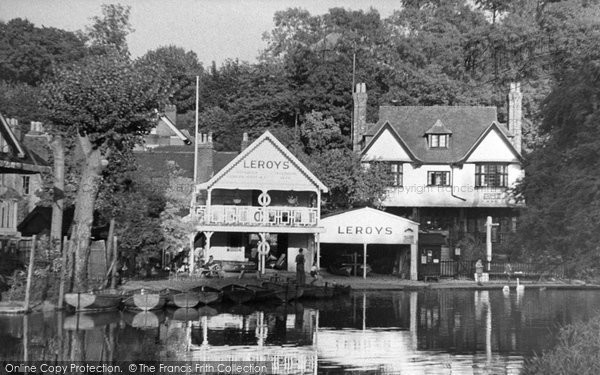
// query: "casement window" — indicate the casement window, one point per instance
point(3, 144)
point(438, 140)
point(26, 184)
point(438, 178)
point(396, 172)
point(491, 175)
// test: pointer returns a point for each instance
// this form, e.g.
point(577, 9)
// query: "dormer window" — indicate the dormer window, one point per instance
point(438, 136)
point(438, 140)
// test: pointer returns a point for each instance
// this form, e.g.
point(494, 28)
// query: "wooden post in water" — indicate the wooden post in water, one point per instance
point(63, 273)
point(115, 264)
point(109, 253)
point(30, 273)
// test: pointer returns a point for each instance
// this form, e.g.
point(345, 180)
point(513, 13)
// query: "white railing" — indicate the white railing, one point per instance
point(254, 215)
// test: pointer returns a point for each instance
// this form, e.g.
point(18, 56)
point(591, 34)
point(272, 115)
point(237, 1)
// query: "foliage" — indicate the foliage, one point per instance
point(577, 352)
point(28, 54)
point(46, 275)
point(560, 186)
point(181, 67)
point(108, 33)
point(106, 98)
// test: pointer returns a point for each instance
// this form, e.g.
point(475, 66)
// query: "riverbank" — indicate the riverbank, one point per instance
point(372, 282)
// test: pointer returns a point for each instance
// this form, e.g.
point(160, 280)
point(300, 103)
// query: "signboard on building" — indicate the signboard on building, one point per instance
point(368, 225)
point(266, 166)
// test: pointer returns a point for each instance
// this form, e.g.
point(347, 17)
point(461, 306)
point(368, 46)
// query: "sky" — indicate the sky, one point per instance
point(214, 29)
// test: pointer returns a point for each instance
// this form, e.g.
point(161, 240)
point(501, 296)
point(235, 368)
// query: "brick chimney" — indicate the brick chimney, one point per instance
point(35, 128)
point(359, 119)
point(515, 114)
point(14, 126)
point(171, 113)
point(245, 141)
point(205, 157)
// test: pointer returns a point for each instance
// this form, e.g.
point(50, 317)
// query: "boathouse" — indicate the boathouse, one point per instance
point(368, 236)
point(264, 201)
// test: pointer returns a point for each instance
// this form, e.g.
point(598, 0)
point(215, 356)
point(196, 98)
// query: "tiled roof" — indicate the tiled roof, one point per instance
point(29, 161)
point(465, 124)
point(155, 159)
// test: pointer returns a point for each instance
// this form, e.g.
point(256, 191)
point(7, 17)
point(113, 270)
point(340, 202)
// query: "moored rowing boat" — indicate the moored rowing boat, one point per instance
point(93, 301)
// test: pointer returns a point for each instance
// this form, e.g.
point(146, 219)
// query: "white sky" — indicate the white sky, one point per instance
point(214, 29)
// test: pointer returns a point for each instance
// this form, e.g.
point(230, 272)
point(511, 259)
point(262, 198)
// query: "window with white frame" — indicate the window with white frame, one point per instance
point(396, 173)
point(26, 185)
point(438, 178)
point(438, 140)
point(491, 175)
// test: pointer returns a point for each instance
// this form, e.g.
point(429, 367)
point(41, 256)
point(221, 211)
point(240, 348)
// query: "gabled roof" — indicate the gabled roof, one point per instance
point(493, 126)
point(265, 137)
point(175, 129)
point(438, 128)
point(19, 159)
point(467, 124)
point(392, 130)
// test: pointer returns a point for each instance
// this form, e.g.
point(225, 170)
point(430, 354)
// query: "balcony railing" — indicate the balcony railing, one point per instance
point(255, 216)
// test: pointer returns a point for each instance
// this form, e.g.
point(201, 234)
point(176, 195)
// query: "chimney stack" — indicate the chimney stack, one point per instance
point(359, 119)
point(205, 157)
point(14, 126)
point(515, 114)
point(171, 113)
point(35, 128)
point(245, 141)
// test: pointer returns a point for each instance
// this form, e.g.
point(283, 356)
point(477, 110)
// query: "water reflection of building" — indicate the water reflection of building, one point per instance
point(441, 331)
point(285, 337)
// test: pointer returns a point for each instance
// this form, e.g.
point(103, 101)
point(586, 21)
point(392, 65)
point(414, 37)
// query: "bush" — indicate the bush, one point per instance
point(577, 352)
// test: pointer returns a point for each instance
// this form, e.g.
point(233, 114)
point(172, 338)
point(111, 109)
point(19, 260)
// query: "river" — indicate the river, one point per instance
point(418, 332)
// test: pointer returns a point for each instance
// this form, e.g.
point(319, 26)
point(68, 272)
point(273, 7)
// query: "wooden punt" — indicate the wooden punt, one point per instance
point(186, 300)
point(285, 292)
point(208, 295)
point(13, 308)
point(145, 301)
point(169, 294)
point(318, 292)
point(341, 290)
point(93, 301)
point(263, 293)
point(238, 293)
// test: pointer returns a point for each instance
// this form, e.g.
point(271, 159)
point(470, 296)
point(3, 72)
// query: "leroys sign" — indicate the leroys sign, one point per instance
point(266, 167)
point(370, 226)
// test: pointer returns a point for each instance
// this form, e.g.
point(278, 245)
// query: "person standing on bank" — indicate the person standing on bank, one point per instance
point(300, 276)
point(479, 271)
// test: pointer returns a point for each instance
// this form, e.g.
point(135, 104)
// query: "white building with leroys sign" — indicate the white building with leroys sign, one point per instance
point(263, 196)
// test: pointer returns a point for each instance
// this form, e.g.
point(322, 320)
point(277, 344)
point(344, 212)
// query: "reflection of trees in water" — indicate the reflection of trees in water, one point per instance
point(457, 319)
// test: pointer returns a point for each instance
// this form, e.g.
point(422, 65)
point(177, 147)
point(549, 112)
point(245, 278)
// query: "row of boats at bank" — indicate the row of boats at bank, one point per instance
point(148, 299)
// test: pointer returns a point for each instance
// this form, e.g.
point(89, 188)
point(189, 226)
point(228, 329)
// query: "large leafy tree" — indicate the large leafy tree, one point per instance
point(29, 53)
point(105, 102)
point(561, 186)
point(182, 67)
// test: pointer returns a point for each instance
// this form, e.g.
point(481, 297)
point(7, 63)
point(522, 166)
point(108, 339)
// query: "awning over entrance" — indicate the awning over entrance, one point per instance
point(370, 226)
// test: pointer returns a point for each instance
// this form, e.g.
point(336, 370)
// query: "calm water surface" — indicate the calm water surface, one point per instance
point(425, 332)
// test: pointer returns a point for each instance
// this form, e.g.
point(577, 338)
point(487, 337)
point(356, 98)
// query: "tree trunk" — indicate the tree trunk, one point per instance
point(58, 152)
point(84, 211)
